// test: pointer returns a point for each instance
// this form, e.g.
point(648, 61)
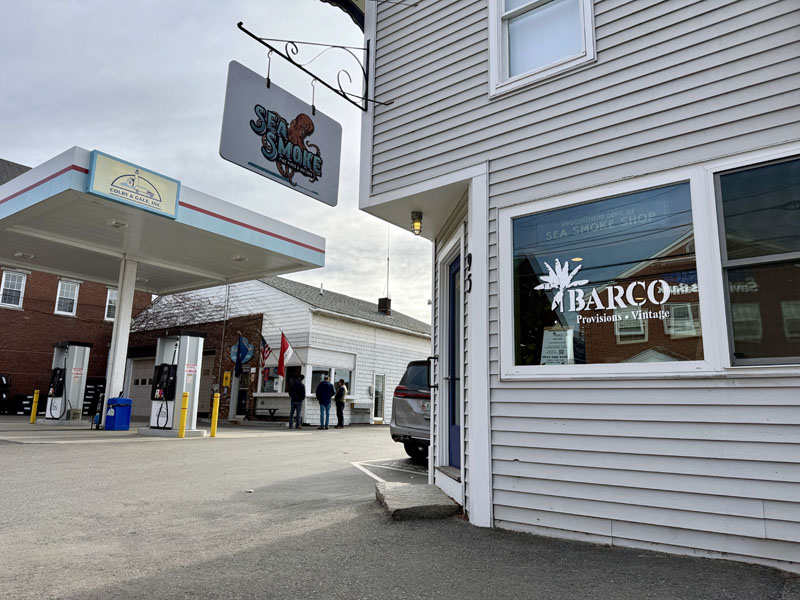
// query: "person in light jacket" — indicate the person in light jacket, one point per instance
point(341, 393)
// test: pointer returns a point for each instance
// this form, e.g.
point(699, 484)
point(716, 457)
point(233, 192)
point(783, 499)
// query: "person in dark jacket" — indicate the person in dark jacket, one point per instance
point(341, 393)
point(297, 393)
point(324, 394)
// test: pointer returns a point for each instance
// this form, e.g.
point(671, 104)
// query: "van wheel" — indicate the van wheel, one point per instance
point(418, 452)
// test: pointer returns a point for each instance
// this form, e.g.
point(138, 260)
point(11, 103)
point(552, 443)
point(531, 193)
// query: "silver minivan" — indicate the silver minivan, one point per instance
point(411, 411)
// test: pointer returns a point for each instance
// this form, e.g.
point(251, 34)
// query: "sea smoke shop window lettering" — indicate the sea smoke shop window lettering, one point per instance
point(609, 281)
point(760, 208)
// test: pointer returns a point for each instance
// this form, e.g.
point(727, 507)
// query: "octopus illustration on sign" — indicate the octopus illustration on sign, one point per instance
point(286, 145)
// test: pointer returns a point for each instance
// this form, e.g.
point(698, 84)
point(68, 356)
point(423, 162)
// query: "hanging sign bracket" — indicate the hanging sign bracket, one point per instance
point(291, 50)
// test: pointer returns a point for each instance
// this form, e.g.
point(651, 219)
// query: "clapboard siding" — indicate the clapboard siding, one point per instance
point(650, 56)
point(688, 482)
point(695, 464)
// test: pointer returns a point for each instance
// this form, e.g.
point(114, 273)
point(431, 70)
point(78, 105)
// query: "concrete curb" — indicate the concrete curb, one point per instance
point(415, 501)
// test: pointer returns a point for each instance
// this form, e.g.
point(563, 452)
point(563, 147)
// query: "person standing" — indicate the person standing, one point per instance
point(297, 393)
point(341, 393)
point(324, 394)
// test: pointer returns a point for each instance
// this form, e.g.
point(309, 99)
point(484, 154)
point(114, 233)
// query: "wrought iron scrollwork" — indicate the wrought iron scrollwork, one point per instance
point(292, 50)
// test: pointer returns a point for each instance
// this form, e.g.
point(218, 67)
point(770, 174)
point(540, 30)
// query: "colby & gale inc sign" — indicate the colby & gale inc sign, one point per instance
point(271, 132)
point(131, 184)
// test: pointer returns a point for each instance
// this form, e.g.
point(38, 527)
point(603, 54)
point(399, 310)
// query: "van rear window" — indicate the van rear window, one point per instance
point(416, 376)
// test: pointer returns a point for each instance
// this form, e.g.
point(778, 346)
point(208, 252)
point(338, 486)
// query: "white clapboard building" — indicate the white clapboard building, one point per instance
point(613, 193)
point(331, 334)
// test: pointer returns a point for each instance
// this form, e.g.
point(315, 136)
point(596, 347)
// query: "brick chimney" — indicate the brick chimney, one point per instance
point(385, 306)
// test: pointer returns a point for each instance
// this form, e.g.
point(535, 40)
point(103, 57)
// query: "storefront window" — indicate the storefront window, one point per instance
point(760, 209)
point(345, 374)
point(269, 380)
point(317, 375)
point(608, 281)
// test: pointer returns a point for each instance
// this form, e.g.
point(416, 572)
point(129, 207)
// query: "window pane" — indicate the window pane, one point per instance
point(10, 297)
point(512, 4)
point(544, 35)
point(111, 304)
point(596, 283)
point(317, 375)
point(346, 375)
point(65, 305)
point(765, 311)
point(12, 288)
point(761, 208)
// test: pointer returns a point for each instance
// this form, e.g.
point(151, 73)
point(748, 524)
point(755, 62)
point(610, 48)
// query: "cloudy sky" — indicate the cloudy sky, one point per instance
point(144, 80)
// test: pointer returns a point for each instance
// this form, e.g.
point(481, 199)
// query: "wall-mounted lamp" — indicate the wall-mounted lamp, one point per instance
point(416, 222)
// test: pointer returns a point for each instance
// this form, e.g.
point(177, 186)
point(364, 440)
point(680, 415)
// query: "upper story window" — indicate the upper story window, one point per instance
point(67, 299)
point(111, 305)
point(12, 289)
point(534, 39)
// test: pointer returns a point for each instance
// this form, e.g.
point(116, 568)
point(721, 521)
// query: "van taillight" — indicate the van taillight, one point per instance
point(402, 391)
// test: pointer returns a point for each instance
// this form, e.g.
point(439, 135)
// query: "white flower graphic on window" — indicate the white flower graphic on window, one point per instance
point(560, 278)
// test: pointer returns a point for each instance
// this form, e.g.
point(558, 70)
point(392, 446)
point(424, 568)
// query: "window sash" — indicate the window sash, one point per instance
point(67, 299)
point(111, 305)
point(12, 289)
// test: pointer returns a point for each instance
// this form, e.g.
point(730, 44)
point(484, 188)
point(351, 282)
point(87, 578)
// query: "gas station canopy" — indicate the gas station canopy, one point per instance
point(49, 221)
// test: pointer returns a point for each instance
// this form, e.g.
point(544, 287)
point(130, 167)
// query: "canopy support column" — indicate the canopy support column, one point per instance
point(118, 353)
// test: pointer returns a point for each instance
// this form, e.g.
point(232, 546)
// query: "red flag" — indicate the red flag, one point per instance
point(285, 355)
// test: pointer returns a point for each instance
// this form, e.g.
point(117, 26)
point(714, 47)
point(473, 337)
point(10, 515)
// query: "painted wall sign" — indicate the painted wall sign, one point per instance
point(635, 293)
point(134, 185)
point(269, 131)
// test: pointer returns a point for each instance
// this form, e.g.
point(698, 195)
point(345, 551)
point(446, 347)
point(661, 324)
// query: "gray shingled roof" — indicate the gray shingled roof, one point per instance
point(345, 305)
point(10, 170)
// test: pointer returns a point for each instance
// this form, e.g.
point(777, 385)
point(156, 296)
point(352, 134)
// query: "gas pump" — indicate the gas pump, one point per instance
point(67, 381)
point(176, 371)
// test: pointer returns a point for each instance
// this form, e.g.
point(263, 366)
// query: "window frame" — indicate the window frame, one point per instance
point(62, 282)
point(726, 263)
point(499, 80)
point(639, 336)
point(704, 230)
point(108, 303)
point(3, 280)
point(694, 319)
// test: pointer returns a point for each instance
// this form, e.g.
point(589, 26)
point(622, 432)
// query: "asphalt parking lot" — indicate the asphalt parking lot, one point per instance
point(273, 513)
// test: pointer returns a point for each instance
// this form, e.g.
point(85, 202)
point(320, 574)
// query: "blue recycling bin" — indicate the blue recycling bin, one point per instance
point(118, 414)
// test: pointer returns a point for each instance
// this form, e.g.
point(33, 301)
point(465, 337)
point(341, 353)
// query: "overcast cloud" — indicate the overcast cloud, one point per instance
point(144, 80)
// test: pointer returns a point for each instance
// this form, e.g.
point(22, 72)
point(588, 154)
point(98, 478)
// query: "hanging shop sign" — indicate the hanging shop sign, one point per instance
point(269, 131)
point(134, 185)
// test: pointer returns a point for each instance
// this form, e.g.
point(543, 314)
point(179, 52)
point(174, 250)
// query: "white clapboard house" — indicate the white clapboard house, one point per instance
point(330, 334)
point(612, 188)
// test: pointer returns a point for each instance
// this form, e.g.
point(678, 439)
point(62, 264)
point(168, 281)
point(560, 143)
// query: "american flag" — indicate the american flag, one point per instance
point(265, 351)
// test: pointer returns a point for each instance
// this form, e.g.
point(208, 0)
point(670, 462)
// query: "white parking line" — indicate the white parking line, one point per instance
point(360, 468)
point(401, 470)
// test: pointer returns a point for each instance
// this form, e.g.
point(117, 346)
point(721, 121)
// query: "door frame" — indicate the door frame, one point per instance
point(440, 424)
point(382, 419)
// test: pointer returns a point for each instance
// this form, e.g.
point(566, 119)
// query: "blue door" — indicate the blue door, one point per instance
point(453, 370)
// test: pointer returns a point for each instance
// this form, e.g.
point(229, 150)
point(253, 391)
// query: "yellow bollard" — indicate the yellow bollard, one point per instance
point(184, 408)
point(214, 415)
point(35, 406)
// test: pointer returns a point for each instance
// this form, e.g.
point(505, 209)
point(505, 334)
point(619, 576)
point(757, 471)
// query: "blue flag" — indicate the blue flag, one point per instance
point(241, 355)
